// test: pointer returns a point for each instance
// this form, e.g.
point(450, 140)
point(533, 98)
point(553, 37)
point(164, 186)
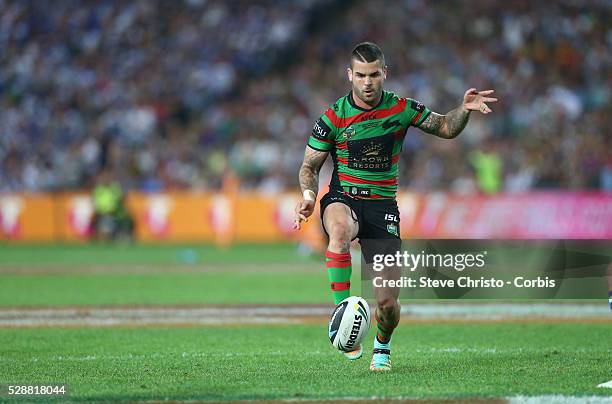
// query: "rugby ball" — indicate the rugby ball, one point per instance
point(349, 323)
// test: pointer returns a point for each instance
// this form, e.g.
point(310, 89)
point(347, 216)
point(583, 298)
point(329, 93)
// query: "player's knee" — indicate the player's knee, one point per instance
point(339, 233)
point(387, 305)
point(339, 245)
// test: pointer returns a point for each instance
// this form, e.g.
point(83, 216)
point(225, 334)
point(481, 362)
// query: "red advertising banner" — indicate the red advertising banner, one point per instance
point(527, 216)
point(254, 217)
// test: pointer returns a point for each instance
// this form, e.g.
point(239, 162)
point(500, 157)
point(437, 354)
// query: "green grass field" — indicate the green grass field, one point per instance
point(159, 274)
point(297, 361)
point(431, 359)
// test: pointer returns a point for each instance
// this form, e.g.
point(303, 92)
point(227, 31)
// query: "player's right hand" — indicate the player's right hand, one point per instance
point(303, 210)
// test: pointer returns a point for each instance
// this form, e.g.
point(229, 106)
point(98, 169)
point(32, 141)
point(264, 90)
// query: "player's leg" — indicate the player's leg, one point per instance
point(387, 312)
point(381, 223)
point(387, 316)
point(341, 226)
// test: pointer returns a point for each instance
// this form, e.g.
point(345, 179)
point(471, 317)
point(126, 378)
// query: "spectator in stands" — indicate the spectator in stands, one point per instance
point(163, 91)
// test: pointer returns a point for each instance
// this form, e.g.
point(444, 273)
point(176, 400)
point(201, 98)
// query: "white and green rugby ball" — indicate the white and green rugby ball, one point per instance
point(349, 323)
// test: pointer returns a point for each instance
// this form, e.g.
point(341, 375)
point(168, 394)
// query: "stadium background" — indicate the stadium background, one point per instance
point(200, 110)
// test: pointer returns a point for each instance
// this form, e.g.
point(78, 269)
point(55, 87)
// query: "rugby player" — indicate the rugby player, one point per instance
point(363, 131)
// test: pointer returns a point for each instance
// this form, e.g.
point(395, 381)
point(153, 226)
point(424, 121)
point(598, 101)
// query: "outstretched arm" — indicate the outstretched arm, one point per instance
point(450, 125)
point(309, 182)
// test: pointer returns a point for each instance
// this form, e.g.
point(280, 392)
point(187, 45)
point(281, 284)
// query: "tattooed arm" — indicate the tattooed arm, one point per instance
point(446, 126)
point(450, 125)
point(309, 182)
point(309, 172)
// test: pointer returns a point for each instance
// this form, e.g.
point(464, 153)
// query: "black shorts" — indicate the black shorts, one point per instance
point(377, 218)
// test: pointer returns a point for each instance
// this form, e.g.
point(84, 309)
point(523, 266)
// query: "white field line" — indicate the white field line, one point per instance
point(417, 310)
point(508, 310)
point(556, 399)
point(118, 322)
point(161, 312)
point(143, 316)
point(559, 399)
point(607, 385)
point(553, 399)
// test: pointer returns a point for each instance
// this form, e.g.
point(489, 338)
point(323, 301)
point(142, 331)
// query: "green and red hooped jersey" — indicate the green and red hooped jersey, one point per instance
point(365, 144)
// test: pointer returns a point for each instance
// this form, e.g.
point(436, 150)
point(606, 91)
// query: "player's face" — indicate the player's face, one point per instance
point(367, 81)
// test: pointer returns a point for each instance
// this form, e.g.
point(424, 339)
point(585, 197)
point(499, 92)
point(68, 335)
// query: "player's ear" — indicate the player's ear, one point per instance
point(385, 73)
point(349, 73)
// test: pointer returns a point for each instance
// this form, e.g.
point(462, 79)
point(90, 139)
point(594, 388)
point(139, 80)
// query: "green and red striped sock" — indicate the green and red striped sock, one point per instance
point(339, 274)
point(383, 334)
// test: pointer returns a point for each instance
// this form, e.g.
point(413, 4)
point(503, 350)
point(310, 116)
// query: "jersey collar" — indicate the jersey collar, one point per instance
point(352, 102)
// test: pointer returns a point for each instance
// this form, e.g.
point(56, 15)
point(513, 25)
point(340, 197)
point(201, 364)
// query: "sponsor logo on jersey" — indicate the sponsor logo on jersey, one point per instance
point(359, 191)
point(321, 130)
point(389, 124)
point(418, 106)
point(369, 125)
point(368, 116)
point(347, 134)
point(372, 154)
point(372, 149)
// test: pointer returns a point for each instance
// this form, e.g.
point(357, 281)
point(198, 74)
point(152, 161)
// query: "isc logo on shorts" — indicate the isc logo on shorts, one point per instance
point(391, 218)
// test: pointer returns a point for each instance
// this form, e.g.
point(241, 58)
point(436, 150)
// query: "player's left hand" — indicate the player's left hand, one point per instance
point(303, 210)
point(474, 100)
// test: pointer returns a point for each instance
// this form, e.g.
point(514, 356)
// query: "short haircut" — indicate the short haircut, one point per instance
point(367, 52)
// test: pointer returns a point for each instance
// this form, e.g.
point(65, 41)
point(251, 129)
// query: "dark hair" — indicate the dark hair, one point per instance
point(367, 52)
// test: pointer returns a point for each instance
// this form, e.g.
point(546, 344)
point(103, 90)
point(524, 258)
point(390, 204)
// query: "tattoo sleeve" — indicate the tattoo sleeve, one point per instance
point(309, 172)
point(446, 126)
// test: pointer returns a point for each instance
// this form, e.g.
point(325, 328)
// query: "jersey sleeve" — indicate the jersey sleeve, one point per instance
point(417, 112)
point(323, 135)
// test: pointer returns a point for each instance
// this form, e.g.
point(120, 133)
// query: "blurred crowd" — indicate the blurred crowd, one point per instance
point(182, 94)
point(128, 86)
